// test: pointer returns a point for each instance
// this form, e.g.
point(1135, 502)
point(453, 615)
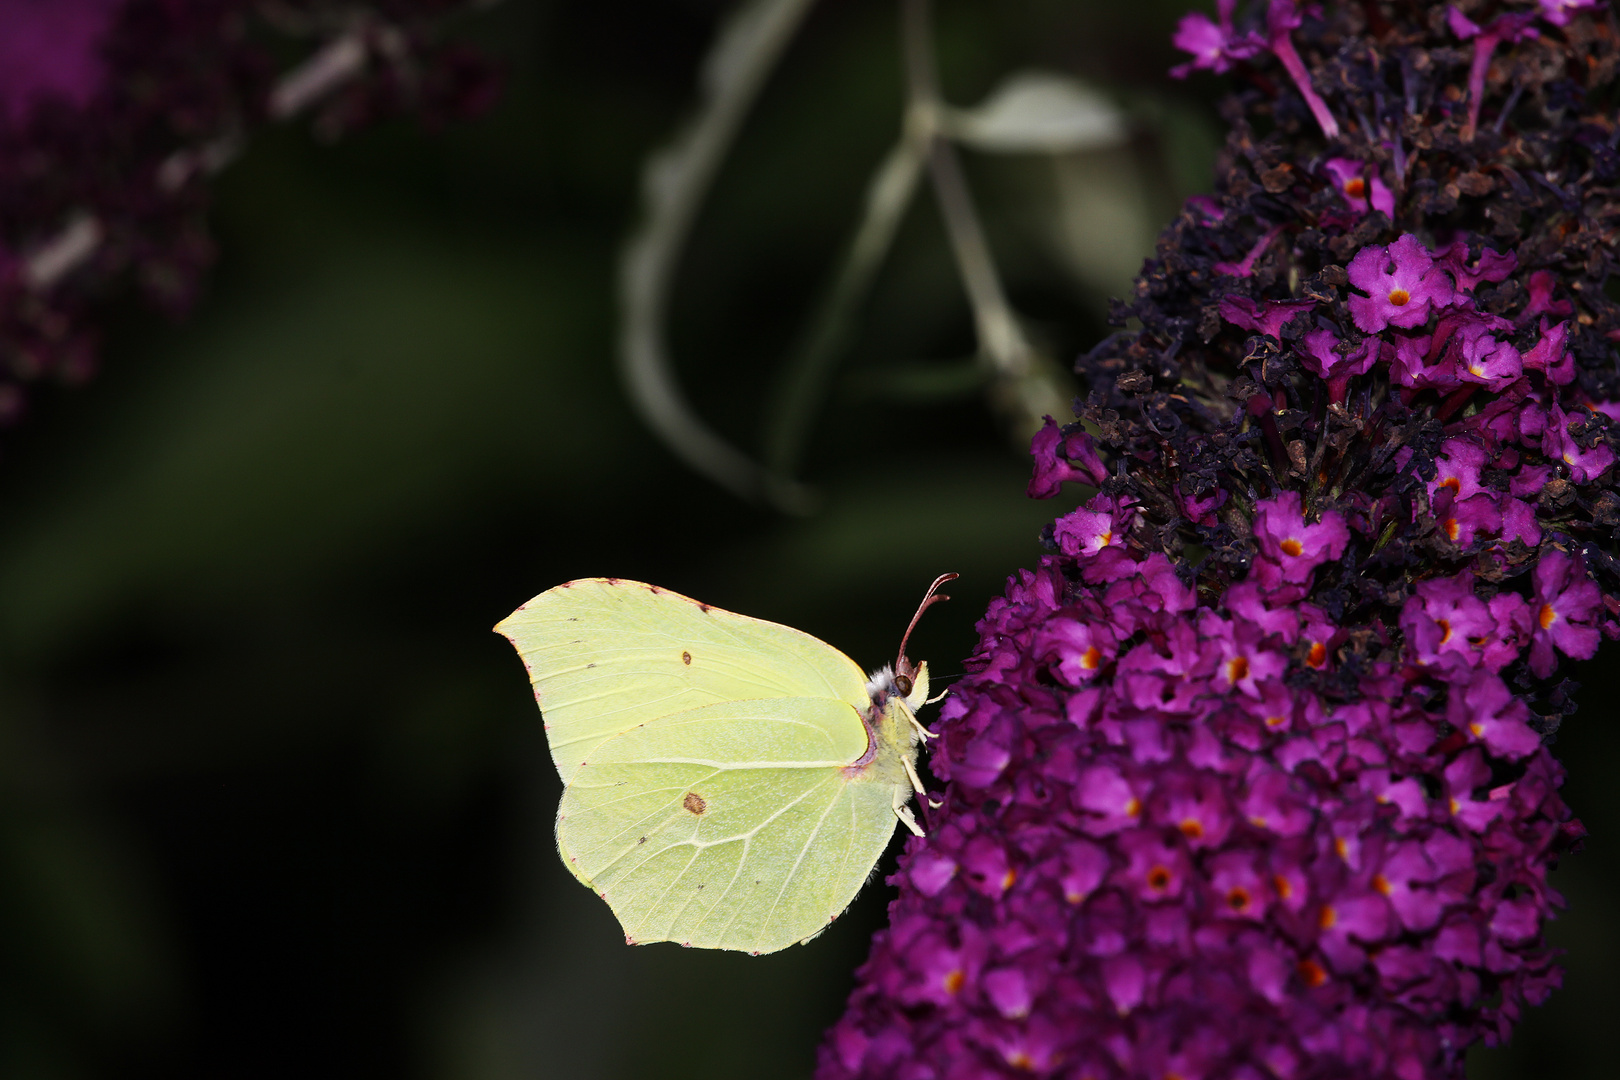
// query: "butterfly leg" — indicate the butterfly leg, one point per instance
point(923, 732)
point(903, 812)
point(911, 771)
point(916, 784)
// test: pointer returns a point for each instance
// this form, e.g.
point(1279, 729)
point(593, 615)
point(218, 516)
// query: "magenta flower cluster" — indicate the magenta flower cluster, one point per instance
point(1166, 855)
point(1251, 777)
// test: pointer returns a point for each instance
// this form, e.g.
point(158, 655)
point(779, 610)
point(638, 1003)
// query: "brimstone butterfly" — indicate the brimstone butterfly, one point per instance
point(729, 783)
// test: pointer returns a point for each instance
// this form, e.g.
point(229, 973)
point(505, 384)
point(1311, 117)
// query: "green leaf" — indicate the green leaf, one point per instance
point(1038, 112)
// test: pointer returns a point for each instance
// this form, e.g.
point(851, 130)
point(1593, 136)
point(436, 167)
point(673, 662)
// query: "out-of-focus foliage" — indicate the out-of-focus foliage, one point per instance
point(275, 799)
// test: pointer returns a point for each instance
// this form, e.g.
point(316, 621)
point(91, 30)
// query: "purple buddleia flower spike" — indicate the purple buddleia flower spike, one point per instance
point(1250, 776)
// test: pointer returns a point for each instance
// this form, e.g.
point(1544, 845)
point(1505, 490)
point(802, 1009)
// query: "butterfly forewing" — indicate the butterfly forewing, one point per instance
point(605, 655)
point(734, 826)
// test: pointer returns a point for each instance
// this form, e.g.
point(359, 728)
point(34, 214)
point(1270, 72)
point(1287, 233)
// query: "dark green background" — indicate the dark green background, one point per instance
point(275, 800)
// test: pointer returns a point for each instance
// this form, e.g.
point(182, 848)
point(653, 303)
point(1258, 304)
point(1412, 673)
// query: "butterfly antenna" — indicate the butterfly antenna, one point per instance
point(931, 597)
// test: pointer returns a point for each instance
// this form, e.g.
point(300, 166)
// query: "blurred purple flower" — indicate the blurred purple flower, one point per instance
point(51, 50)
point(1351, 178)
point(1559, 12)
point(1215, 46)
point(115, 114)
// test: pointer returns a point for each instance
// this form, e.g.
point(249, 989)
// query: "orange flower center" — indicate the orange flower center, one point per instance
point(1158, 879)
point(1399, 297)
point(1547, 617)
point(1340, 848)
point(1292, 547)
point(1317, 656)
point(1452, 482)
point(1356, 187)
point(1091, 658)
point(1008, 878)
point(1192, 829)
point(1380, 884)
point(1312, 973)
point(1237, 668)
point(1284, 888)
point(954, 981)
point(1451, 528)
point(1276, 721)
point(1133, 807)
point(1445, 630)
point(1020, 1060)
point(1237, 898)
point(1328, 917)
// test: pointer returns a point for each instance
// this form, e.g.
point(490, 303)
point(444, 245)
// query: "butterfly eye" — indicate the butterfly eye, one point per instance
point(902, 683)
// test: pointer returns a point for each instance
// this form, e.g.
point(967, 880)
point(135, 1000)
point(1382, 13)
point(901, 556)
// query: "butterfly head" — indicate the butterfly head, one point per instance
point(910, 680)
point(910, 685)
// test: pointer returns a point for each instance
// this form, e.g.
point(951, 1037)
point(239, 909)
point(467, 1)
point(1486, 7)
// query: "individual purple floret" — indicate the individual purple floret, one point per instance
point(1289, 547)
point(1564, 606)
point(1250, 777)
point(1282, 19)
point(1215, 46)
point(1402, 283)
point(1513, 27)
point(1361, 186)
point(1559, 12)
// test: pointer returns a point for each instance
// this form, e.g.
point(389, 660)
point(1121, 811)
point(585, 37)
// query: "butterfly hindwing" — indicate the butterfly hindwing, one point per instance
point(605, 655)
point(737, 825)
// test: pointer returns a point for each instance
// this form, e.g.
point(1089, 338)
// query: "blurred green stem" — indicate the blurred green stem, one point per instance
point(803, 388)
point(1021, 384)
point(674, 185)
point(1001, 339)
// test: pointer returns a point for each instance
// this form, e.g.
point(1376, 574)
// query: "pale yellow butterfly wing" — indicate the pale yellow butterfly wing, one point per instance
point(605, 655)
point(740, 825)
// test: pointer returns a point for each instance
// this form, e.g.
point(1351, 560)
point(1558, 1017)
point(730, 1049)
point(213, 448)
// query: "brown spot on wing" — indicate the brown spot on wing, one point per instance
point(686, 658)
point(705, 608)
point(694, 803)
